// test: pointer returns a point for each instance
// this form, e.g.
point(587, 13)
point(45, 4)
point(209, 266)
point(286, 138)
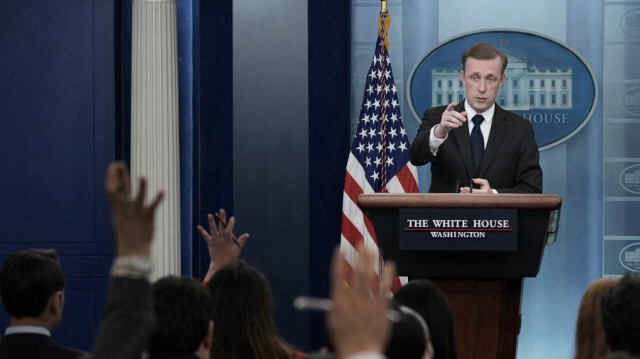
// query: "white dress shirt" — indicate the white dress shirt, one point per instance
point(27, 329)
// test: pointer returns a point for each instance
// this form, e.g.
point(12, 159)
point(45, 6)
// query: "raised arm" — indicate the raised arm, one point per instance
point(358, 322)
point(127, 319)
point(224, 247)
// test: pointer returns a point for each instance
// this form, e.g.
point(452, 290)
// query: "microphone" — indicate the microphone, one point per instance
point(471, 185)
point(457, 188)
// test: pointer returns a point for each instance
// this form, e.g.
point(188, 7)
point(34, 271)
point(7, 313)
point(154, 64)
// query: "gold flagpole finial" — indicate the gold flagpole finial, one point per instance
point(383, 23)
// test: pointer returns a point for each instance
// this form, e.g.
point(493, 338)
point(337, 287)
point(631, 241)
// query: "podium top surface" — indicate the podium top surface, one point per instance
point(543, 202)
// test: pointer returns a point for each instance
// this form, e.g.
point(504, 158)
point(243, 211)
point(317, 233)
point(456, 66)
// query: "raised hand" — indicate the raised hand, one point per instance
point(133, 220)
point(224, 247)
point(358, 321)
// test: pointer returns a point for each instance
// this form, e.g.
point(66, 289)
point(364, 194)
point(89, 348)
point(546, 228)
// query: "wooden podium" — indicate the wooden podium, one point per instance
point(482, 277)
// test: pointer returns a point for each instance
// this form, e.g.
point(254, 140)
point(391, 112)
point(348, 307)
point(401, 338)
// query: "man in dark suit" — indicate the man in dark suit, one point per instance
point(32, 290)
point(477, 143)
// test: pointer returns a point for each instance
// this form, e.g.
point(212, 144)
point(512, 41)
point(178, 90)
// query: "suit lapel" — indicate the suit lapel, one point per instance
point(461, 135)
point(499, 128)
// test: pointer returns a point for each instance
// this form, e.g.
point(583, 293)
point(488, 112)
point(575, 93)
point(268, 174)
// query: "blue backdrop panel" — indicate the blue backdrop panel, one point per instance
point(621, 140)
point(56, 139)
point(271, 148)
point(212, 119)
point(329, 141)
point(621, 128)
point(185, 13)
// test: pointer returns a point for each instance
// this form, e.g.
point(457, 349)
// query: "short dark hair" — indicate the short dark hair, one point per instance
point(408, 335)
point(28, 279)
point(484, 51)
point(182, 308)
point(431, 303)
point(620, 311)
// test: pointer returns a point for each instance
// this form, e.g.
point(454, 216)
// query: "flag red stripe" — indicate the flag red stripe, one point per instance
point(352, 188)
point(350, 232)
point(406, 179)
point(370, 229)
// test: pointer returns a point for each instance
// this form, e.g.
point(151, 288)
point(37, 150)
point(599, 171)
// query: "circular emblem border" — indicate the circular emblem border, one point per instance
point(622, 25)
point(623, 107)
point(622, 183)
point(558, 141)
point(623, 263)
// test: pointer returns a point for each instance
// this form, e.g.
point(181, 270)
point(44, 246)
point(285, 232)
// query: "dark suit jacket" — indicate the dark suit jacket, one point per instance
point(126, 322)
point(510, 162)
point(26, 346)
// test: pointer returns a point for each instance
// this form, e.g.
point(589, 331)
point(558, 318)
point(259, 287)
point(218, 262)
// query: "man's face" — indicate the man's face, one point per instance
point(482, 79)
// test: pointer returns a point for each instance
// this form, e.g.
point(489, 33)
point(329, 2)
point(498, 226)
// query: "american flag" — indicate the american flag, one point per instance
point(379, 157)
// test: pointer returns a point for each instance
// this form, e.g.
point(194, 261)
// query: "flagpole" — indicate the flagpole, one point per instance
point(382, 31)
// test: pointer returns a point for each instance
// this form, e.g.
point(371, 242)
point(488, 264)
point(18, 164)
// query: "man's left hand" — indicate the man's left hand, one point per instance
point(485, 188)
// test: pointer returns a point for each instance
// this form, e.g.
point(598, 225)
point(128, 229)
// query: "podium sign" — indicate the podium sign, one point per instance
point(455, 229)
point(467, 259)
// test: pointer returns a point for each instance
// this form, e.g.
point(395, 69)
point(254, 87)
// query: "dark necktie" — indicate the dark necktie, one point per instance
point(477, 144)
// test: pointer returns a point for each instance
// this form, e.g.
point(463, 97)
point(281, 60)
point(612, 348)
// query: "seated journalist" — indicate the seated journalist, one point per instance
point(32, 287)
point(620, 313)
point(183, 327)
